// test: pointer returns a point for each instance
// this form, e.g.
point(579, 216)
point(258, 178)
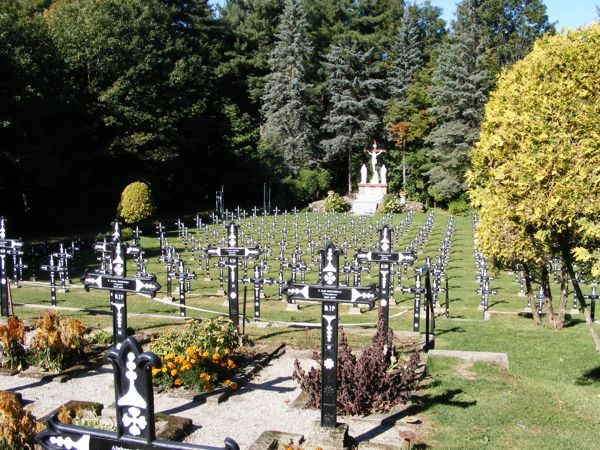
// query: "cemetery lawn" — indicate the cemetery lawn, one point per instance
point(548, 398)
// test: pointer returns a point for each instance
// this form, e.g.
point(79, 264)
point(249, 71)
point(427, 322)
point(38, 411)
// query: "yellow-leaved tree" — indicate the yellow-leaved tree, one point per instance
point(538, 160)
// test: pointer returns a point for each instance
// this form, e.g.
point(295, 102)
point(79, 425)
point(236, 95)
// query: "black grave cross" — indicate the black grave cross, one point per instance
point(134, 403)
point(170, 257)
point(8, 247)
point(593, 296)
point(259, 281)
point(183, 275)
point(417, 290)
point(385, 257)
point(119, 284)
point(232, 253)
point(52, 270)
point(329, 293)
point(485, 293)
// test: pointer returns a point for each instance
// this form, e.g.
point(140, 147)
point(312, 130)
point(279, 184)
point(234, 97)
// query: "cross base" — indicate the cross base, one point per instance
point(332, 438)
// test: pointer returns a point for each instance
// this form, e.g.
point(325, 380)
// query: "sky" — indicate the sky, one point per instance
point(564, 13)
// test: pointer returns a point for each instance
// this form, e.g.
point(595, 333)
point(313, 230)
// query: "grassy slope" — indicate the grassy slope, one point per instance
point(547, 399)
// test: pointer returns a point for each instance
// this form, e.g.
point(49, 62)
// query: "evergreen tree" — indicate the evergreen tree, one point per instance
point(287, 130)
point(353, 90)
point(408, 118)
point(461, 84)
point(407, 58)
point(488, 35)
point(250, 33)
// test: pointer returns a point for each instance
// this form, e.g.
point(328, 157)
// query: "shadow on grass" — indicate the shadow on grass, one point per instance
point(419, 405)
point(574, 322)
point(440, 332)
point(497, 303)
point(280, 332)
point(592, 376)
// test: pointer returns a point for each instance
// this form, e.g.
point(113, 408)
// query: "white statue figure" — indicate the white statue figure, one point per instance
point(374, 162)
point(363, 174)
point(383, 174)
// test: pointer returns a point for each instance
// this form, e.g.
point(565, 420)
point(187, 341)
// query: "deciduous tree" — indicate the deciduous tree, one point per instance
point(539, 152)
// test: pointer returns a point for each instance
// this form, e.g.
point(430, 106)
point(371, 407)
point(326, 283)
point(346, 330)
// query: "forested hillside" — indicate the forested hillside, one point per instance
point(95, 94)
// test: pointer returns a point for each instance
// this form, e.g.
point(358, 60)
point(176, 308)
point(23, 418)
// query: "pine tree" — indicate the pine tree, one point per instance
point(287, 130)
point(461, 83)
point(354, 93)
point(488, 36)
point(408, 58)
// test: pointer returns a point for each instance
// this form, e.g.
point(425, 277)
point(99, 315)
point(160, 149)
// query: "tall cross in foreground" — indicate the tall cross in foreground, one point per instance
point(329, 293)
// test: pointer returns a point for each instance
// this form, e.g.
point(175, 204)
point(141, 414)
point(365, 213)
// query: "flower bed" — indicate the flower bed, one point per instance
point(199, 356)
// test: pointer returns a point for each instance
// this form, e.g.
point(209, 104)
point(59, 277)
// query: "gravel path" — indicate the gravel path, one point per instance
point(264, 403)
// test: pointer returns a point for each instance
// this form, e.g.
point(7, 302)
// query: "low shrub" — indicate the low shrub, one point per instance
point(374, 382)
point(459, 207)
point(390, 205)
point(56, 342)
point(12, 339)
point(336, 203)
point(17, 427)
point(198, 356)
point(101, 337)
point(136, 203)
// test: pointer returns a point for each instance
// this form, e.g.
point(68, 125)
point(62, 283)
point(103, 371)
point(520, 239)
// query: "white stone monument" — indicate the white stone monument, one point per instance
point(372, 192)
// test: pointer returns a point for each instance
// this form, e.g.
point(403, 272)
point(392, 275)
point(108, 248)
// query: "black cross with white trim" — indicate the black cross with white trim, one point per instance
point(8, 247)
point(385, 257)
point(119, 284)
point(233, 253)
point(330, 294)
point(134, 404)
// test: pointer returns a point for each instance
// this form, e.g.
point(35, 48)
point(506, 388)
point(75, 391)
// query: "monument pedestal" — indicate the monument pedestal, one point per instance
point(368, 198)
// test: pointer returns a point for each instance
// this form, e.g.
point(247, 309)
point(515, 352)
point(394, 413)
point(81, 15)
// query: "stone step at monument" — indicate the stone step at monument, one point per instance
point(365, 205)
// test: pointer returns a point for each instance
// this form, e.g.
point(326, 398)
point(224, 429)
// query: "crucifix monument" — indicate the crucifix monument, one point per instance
point(371, 191)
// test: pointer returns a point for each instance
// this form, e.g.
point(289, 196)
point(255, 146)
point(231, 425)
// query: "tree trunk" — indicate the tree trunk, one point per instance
point(564, 298)
point(529, 294)
point(545, 279)
point(566, 257)
point(349, 171)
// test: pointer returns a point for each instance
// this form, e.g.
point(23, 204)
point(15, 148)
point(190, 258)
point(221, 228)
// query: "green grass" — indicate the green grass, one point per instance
point(548, 398)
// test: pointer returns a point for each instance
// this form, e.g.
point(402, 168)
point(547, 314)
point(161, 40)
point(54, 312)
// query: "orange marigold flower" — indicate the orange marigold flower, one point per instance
point(73, 346)
point(169, 356)
point(216, 357)
point(177, 382)
point(173, 372)
point(205, 354)
point(170, 365)
point(164, 369)
point(155, 371)
point(193, 361)
point(233, 385)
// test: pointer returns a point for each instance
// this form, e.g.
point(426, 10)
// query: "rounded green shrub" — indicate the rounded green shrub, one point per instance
point(136, 203)
point(390, 205)
point(459, 207)
point(336, 203)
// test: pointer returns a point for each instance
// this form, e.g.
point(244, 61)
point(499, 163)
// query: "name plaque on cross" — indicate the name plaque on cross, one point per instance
point(329, 293)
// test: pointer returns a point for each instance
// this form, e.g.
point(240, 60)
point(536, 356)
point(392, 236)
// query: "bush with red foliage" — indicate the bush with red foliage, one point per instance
point(367, 384)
